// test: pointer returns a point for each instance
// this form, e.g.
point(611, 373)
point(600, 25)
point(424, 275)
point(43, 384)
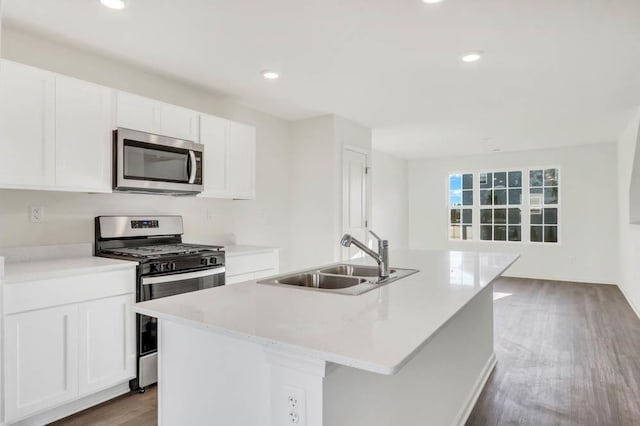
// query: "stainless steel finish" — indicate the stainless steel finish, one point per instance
point(382, 256)
point(145, 186)
point(192, 159)
point(318, 280)
point(172, 278)
point(324, 279)
point(120, 226)
point(148, 370)
point(354, 270)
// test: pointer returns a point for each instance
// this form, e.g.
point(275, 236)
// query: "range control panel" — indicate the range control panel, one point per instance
point(144, 224)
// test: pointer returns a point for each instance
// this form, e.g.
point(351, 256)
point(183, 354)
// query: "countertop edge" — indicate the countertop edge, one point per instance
point(70, 271)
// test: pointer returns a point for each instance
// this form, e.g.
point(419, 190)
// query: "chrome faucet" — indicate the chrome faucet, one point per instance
point(382, 257)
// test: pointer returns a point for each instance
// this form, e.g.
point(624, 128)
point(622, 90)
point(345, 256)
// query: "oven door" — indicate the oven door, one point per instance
point(159, 286)
point(153, 163)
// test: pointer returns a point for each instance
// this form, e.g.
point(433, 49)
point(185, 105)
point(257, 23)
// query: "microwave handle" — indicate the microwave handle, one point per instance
point(191, 167)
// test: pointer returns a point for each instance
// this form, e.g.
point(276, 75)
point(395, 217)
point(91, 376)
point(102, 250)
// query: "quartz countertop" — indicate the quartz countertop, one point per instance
point(240, 250)
point(15, 272)
point(378, 331)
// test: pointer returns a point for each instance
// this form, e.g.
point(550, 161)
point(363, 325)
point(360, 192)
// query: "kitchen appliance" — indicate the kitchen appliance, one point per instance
point(166, 267)
point(143, 162)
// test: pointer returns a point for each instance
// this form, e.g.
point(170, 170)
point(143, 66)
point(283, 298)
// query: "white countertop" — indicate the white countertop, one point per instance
point(378, 331)
point(242, 250)
point(15, 272)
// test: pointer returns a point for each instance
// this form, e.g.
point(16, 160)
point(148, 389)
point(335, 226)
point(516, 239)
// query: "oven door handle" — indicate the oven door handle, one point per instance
point(192, 167)
point(179, 277)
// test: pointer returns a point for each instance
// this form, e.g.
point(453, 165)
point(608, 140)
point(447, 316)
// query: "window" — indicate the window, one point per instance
point(510, 205)
point(501, 206)
point(544, 202)
point(461, 206)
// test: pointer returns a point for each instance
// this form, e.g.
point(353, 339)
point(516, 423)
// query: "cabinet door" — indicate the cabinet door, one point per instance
point(26, 125)
point(107, 343)
point(241, 147)
point(41, 351)
point(83, 135)
point(178, 122)
point(136, 112)
point(213, 135)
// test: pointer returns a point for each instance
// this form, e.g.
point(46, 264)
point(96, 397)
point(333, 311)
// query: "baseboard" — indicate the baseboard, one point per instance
point(74, 406)
point(624, 293)
point(465, 412)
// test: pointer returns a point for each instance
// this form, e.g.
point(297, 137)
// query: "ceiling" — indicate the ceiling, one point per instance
point(554, 73)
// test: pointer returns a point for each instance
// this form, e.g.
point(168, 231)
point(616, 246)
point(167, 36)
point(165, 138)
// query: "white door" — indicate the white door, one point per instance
point(26, 125)
point(107, 343)
point(241, 160)
point(178, 122)
point(41, 358)
point(213, 135)
point(354, 199)
point(83, 135)
point(136, 112)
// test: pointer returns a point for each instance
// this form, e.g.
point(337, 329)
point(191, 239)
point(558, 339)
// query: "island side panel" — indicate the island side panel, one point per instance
point(207, 378)
point(439, 386)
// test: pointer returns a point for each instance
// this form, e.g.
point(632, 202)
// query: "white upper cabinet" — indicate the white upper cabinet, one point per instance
point(26, 126)
point(83, 120)
point(241, 160)
point(229, 158)
point(136, 112)
point(213, 135)
point(151, 116)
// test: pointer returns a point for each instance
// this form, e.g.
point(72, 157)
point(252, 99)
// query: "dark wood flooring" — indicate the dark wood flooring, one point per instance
point(568, 354)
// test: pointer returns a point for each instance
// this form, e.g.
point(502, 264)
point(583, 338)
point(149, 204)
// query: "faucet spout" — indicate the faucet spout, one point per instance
point(382, 257)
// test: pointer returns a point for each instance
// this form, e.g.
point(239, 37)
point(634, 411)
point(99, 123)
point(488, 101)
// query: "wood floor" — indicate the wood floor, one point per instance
point(568, 354)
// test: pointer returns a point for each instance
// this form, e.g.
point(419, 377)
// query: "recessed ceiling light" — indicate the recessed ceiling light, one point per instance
point(114, 4)
point(472, 57)
point(496, 150)
point(270, 75)
point(431, 1)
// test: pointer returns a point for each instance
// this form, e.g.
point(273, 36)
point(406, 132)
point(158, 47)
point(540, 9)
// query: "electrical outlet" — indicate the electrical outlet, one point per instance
point(36, 214)
point(296, 405)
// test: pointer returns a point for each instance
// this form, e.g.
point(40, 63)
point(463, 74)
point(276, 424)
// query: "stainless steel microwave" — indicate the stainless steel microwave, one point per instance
point(144, 163)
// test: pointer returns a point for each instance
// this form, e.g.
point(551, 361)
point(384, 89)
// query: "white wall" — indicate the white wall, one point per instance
point(69, 217)
point(390, 215)
point(629, 234)
point(588, 222)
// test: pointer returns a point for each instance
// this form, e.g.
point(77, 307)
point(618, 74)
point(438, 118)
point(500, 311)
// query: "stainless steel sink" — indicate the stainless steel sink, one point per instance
point(317, 280)
point(340, 278)
point(354, 270)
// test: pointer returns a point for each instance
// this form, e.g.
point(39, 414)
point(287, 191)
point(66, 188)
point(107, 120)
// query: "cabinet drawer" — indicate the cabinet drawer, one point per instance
point(26, 296)
point(243, 264)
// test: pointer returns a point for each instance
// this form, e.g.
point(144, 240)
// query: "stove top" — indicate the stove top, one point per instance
point(160, 250)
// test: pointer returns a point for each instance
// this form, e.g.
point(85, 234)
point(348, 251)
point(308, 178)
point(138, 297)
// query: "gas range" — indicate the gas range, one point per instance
point(166, 267)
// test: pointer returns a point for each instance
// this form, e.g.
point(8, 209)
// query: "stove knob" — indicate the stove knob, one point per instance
point(172, 266)
point(154, 267)
point(204, 261)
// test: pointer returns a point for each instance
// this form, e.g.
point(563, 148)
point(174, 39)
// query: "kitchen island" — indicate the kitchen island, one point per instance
point(417, 351)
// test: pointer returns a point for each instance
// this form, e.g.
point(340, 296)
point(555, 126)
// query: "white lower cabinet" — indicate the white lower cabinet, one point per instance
point(106, 342)
point(41, 360)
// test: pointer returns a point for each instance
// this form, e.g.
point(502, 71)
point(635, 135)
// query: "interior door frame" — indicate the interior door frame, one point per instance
point(368, 193)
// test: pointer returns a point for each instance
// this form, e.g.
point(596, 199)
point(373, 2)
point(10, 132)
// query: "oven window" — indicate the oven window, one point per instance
point(145, 162)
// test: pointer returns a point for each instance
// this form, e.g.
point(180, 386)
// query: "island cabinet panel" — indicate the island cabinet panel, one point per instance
point(41, 360)
point(83, 135)
point(27, 134)
point(107, 343)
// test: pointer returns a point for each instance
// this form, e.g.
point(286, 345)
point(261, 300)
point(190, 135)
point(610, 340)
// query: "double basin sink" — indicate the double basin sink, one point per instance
point(340, 278)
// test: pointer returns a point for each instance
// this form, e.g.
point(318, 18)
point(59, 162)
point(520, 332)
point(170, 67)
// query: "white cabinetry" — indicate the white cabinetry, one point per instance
point(229, 158)
point(41, 356)
point(66, 337)
point(83, 114)
point(151, 116)
point(106, 342)
point(250, 263)
point(26, 125)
